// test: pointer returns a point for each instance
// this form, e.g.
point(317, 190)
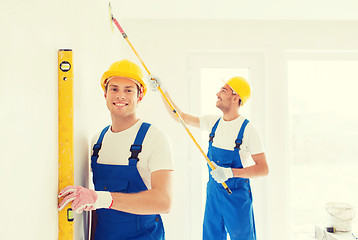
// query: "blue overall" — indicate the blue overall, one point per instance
point(223, 212)
point(117, 225)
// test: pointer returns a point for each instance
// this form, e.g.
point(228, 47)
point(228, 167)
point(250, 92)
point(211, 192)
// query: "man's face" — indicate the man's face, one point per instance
point(122, 97)
point(225, 98)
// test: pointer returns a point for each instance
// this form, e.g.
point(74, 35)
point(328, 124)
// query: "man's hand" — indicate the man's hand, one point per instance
point(84, 199)
point(221, 174)
point(154, 83)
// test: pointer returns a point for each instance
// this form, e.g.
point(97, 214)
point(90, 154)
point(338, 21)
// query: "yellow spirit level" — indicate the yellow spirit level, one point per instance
point(65, 138)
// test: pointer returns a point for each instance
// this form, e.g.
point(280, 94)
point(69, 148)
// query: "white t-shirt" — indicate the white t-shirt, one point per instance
point(227, 132)
point(155, 154)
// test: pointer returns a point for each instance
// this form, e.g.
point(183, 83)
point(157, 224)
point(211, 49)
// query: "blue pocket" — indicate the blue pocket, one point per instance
point(119, 185)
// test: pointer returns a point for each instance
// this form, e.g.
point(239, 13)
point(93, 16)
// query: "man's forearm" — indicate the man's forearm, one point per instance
point(250, 172)
point(187, 118)
point(152, 201)
point(169, 109)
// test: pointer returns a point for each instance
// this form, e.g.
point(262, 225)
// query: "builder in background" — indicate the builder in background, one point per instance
point(131, 164)
point(231, 143)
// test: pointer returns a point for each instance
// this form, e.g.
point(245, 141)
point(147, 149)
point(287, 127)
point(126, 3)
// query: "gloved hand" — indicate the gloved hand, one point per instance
point(154, 83)
point(84, 199)
point(221, 174)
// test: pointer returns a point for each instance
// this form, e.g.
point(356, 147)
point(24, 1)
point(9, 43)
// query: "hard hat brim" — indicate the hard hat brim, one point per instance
point(135, 78)
point(229, 86)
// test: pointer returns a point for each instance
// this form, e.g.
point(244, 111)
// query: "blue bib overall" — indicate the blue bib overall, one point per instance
point(118, 225)
point(223, 212)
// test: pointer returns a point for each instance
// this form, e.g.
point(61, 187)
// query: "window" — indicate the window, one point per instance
point(323, 140)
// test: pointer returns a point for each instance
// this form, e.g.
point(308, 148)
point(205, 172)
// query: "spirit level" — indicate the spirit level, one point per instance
point(65, 138)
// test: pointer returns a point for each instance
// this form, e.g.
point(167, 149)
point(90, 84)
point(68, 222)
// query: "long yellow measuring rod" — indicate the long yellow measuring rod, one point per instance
point(65, 138)
point(166, 98)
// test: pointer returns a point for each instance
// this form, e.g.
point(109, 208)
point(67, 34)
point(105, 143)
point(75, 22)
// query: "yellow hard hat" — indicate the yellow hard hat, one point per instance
point(241, 86)
point(125, 68)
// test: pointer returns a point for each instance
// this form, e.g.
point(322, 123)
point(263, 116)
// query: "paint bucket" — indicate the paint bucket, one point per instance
point(340, 216)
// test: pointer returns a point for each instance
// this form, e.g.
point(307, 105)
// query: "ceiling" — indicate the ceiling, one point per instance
point(237, 9)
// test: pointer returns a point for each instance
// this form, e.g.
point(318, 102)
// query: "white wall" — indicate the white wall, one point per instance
point(33, 31)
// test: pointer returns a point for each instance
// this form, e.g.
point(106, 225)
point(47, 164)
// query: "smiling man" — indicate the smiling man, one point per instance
point(131, 164)
point(235, 148)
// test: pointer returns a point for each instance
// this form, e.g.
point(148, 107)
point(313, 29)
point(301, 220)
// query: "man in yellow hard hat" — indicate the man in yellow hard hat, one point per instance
point(232, 141)
point(131, 165)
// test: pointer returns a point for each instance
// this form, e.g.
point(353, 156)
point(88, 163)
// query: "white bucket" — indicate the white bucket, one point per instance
point(340, 216)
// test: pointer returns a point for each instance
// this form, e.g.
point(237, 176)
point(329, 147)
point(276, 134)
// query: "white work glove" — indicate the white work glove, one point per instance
point(154, 83)
point(84, 199)
point(221, 174)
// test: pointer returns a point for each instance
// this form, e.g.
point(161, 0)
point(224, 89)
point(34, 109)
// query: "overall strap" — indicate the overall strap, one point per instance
point(213, 130)
point(240, 136)
point(136, 147)
point(98, 145)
